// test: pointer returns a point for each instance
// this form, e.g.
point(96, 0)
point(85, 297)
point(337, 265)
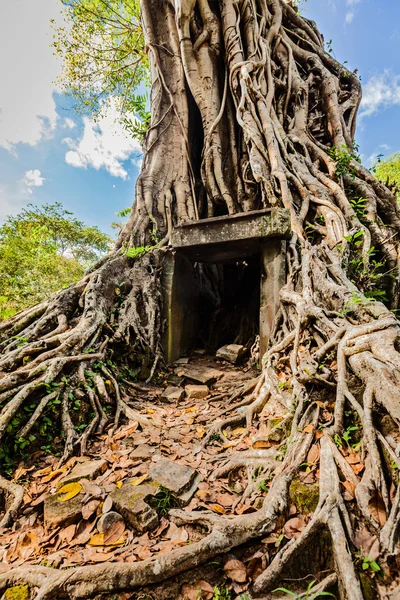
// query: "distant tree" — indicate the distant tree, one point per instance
point(387, 170)
point(42, 250)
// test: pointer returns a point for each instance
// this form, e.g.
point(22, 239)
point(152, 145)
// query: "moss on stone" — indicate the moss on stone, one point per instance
point(18, 592)
point(304, 496)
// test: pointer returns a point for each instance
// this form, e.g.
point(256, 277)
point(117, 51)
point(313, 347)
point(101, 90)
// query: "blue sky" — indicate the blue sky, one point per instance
point(49, 154)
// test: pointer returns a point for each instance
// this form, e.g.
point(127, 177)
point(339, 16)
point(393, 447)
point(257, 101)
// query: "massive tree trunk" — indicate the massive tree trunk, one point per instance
point(248, 111)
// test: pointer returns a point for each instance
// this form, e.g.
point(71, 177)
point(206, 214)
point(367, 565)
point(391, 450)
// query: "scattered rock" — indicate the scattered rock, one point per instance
point(233, 353)
point(173, 394)
point(200, 374)
point(197, 392)
point(182, 361)
point(107, 520)
point(142, 452)
point(180, 480)
point(58, 513)
point(86, 470)
point(132, 503)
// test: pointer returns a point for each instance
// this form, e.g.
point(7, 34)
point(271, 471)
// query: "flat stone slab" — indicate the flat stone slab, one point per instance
point(173, 394)
point(230, 236)
point(132, 503)
point(200, 374)
point(197, 392)
point(172, 476)
point(57, 514)
point(143, 452)
point(86, 470)
point(233, 353)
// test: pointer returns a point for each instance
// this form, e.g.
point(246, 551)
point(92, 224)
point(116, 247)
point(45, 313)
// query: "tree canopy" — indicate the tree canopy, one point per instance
point(104, 60)
point(42, 250)
point(387, 170)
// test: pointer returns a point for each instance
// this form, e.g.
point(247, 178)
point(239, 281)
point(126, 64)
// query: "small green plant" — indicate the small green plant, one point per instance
point(221, 593)
point(216, 437)
point(369, 563)
point(359, 205)
point(263, 484)
point(163, 501)
point(337, 440)
point(309, 595)
point(348, 433)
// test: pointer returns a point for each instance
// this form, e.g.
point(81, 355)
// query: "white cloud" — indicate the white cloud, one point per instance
point(27, 71)
point(68, 123)
point(350, 14)
point(33, 178)
point(380, 92)
point(104, 145)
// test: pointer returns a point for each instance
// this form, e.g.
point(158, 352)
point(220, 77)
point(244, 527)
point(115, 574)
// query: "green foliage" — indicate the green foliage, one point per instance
point(43, 250)
point(343, 159)
point(137, 252)
point(221, 593)
point(388, 171)
point(369, 563)
point(308, 594)
point(104, 59)
point(163, 501)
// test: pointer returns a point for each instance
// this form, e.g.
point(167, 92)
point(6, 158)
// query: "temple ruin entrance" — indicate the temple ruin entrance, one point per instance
point(229, 302)
point(221, 280)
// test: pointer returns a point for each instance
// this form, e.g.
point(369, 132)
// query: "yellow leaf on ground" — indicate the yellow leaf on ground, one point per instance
point(138, 480)
point(239, 431)
point(217, 508)
point(68, 491)
point(119, 484)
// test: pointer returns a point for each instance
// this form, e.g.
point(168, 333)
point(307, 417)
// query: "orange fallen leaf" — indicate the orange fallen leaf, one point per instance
point(53, 475)
point(309, 429)
point(260, 444)
point(217, 508)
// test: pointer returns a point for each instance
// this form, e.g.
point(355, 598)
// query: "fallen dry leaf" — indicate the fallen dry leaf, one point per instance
point(377, 508)
point(53, 474)
point(350, 487)
point(138, 480)
point(90, 508)
point(217, 508)
point(68, 491)
point(294, 527)
point(200, 590)
point(260, 444)
point(309, 429)
point(235, 570)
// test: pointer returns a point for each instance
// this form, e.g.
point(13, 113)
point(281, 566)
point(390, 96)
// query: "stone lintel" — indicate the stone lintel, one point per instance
point(228, 237)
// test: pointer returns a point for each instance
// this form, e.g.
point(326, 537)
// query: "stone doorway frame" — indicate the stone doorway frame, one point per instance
point(217, 240)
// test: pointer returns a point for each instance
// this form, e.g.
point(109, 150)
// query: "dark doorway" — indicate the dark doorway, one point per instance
point(229, 302)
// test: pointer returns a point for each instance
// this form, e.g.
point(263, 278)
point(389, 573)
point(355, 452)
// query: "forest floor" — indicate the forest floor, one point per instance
point(86, 527)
